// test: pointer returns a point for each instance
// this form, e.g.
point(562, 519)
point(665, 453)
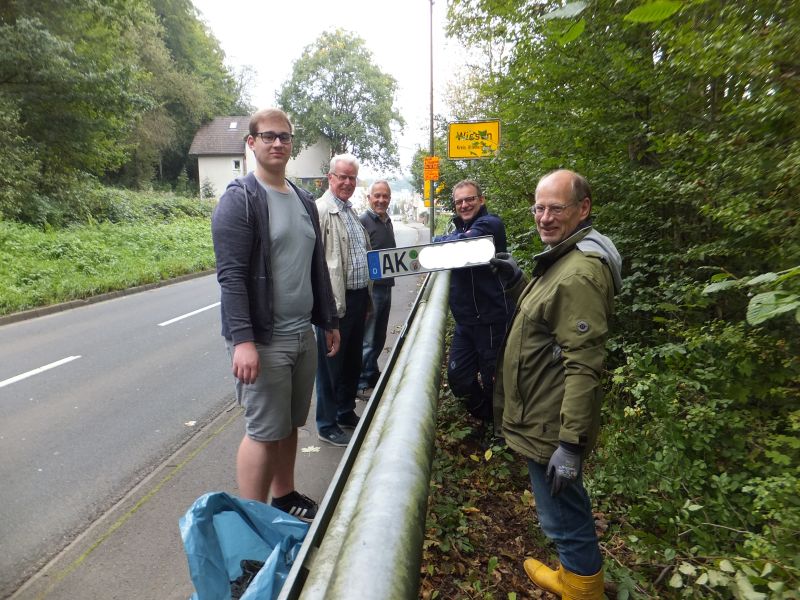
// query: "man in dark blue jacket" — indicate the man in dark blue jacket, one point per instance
point(479, 304)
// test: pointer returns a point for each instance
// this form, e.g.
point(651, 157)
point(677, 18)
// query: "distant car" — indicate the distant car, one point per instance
point(397, 218)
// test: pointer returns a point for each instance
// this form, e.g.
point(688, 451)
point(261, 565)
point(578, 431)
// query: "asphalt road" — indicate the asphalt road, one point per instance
point(77, 436)
point(94, 399)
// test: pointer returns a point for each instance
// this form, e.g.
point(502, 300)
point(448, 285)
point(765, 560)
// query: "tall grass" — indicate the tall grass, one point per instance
point(40, 267)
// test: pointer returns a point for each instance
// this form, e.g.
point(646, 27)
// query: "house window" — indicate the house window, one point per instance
point(237, 166)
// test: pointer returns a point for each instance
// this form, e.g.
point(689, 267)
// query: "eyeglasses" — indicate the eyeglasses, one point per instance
point(467, 200)
point(350, 178)
point(555, 210)
point(268, 137)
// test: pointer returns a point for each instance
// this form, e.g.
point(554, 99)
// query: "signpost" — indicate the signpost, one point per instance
point(473, 139)
point(430, 171)
point(430, 168)
point(413, 260)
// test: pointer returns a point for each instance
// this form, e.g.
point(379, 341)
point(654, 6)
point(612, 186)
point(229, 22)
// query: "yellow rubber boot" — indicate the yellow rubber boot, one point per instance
point(579, 587)
point(543, 576)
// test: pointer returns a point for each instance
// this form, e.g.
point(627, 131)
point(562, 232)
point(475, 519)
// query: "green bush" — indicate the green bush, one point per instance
point(138, 238)
point(18, 164)
point(700, 453)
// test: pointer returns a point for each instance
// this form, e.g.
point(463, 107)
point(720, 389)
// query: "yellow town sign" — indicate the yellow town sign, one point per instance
point(473, 139)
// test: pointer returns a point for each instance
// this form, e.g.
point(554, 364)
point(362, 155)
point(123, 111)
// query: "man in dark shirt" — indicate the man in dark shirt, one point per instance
point(381, 236)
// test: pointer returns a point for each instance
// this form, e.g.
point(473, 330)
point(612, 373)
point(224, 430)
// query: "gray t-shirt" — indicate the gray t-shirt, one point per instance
point(291, 237)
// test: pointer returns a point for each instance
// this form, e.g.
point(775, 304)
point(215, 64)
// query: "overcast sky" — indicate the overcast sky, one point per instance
point(270, 35)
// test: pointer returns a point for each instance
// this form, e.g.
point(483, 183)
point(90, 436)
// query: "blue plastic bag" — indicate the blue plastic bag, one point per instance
point(220, 530)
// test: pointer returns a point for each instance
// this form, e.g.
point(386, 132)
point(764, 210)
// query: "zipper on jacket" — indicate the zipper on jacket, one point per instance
point(474, 299)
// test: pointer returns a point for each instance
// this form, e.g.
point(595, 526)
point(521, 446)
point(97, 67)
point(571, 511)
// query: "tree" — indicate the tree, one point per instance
point(18, 166)
point(70, 73)
point(196, 86)
point(337, 91)
point(111, 91)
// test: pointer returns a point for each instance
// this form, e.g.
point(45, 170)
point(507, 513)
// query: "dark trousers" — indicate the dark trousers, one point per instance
point(337, 376)
point(375, 335)
point(471, 365)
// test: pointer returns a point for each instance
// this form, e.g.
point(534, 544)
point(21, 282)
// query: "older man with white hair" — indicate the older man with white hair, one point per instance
point(346, 245)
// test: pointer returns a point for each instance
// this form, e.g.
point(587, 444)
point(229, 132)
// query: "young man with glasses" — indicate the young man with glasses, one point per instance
point(479, 303)
point(274, 286)
point(547, 391)
point(346, 244)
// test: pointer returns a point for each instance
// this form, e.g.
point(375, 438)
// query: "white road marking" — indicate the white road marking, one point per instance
point(194, 312)
point(52, 365)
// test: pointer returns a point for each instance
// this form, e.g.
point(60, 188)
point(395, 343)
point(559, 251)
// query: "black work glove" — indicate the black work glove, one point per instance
point(564, 468)
point(505, 267)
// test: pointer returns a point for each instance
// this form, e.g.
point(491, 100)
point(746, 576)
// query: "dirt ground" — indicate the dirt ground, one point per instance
point(482, 520)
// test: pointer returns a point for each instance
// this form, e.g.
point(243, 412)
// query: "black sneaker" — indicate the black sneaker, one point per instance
point(335, 438)
point(297, 505)
point(348, 421)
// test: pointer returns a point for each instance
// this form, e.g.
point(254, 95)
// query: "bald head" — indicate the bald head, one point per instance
point(563, 201)
point(578, 186)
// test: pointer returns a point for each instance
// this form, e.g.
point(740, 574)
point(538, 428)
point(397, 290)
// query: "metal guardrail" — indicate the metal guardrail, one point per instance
point(367, 537)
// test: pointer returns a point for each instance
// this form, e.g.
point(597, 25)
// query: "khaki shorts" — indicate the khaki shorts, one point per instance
point(279, 400)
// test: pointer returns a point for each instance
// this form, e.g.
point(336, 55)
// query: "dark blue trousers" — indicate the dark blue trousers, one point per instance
point(375, 335)
point(471, 365)
point(337, 376)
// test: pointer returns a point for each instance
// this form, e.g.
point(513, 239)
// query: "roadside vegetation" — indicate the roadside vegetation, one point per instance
point(99, 103)
point(683, 116)
point(131, 239)
point(481, 521)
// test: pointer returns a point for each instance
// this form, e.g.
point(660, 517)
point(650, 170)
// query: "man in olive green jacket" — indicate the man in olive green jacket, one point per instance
point(547, 386)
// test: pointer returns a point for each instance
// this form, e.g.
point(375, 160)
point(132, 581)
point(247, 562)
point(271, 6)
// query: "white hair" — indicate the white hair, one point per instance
point(376, 182)
point(345, 158)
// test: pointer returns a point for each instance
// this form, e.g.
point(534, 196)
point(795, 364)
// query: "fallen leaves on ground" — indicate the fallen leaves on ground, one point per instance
point(481, 521)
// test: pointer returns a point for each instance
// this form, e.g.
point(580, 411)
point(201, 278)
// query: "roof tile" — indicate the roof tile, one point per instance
point(220, 137)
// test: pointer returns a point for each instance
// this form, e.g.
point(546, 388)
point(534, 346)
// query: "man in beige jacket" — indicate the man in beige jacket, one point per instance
point(346, 245)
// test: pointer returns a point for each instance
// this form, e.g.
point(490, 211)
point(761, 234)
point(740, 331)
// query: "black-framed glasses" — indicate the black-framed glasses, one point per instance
point(466, 200)
point(341, 177)
point(537, 210)
point(269, 137)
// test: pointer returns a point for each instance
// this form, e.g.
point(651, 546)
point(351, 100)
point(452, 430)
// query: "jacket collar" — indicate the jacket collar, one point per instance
point(250, 183)
point(553, 253)
point(254, 190)
point(461, 224)
point(335, 205)
point(374, 216)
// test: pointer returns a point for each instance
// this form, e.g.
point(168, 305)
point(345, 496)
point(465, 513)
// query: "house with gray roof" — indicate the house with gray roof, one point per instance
point(222, 155)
